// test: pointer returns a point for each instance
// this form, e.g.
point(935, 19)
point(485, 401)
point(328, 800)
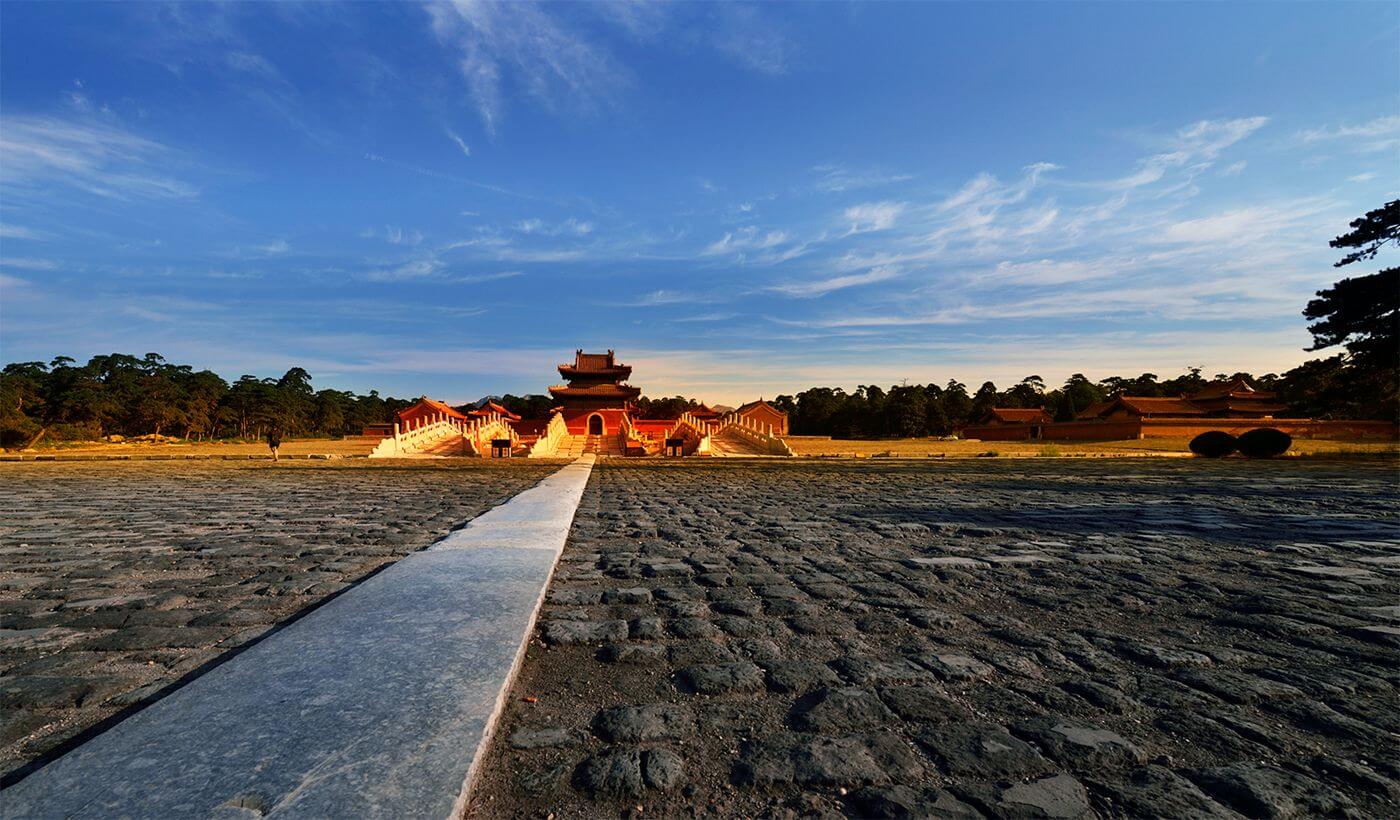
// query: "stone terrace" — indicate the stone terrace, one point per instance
point(118, 578)
point(1013, 639)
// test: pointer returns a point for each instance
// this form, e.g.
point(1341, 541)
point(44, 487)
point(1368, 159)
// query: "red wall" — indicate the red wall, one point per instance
point(577, 420)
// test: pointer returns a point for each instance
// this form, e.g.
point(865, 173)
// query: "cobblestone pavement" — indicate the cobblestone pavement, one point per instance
point(118, 578)
point(1012, 639)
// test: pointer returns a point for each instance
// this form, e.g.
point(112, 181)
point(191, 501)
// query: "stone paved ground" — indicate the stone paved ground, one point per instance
point(118, 578)
point(1012, 639)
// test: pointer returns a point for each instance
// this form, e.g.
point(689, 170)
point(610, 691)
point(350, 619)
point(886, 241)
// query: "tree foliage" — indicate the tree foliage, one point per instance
point(1362, 315)
point(664, 408)
point(532, 406)
point(119, 394)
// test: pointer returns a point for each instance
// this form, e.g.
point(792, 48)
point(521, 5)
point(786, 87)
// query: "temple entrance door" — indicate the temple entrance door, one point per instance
point(595, 425)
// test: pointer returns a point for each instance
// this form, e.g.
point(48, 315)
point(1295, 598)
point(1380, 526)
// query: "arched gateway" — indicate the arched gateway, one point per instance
point(595, 425)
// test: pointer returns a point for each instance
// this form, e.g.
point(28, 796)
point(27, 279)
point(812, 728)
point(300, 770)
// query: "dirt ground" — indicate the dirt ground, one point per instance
point(924, 447)
point(343, 447)
point(964, 638)
point(801, 445)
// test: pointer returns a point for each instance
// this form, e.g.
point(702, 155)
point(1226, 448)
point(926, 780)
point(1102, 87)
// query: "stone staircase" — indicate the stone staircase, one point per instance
point(727, 442)
point(572, 446)
point(447, 446)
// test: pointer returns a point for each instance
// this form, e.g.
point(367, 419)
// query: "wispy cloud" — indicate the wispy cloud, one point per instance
point(95, 156)
point(466, 151)
point(821, 287)
point(706, 317)
point(872, 216)
point(1232, 226)
point(28, 263)
point(475, 278)
point(1379, 134)
point(569, 227)
point(525, 45)
point(1047, 272)
point(747, 36)
point(510, 254)
point(1194, 148)
point(835, 178)
point(744, 240)
point(676, 297)
point(251, 63)
point(20, 232)
point(408, 271)
point(394, 235)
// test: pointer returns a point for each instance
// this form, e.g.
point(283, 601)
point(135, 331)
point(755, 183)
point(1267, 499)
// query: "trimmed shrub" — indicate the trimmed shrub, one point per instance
point(1265, 442)
point(1213, 444)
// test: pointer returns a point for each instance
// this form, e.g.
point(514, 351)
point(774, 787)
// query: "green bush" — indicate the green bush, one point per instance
point(74, 431)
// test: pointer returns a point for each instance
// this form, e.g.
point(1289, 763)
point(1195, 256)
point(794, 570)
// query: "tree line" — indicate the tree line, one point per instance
point(1360, 315)
point(120, 394)
point(125, 395)
point(916, 410)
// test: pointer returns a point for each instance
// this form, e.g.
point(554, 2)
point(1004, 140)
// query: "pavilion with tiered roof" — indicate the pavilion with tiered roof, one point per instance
point(595, 401)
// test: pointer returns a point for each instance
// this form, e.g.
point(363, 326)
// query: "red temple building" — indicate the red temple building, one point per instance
point(594, 412)
point(766, 415)
point(426, 411)
point(595, 401)
point(1237, 399)
point(997, 416)
point(1232, 405)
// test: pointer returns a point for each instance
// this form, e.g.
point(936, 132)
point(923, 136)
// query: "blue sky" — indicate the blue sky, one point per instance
point(743, 200)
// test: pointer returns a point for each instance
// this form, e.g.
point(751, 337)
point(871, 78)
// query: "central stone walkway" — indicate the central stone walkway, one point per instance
point(378, 704)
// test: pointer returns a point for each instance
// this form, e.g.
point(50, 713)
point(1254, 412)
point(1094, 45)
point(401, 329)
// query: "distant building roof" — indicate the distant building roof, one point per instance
point(1238, 387)
point(593, 361)
point(744, 408)
point(425, 406)
point(491, 407)
point(1161, 406)
point(1016, 415)
point(604, 390)
point(1143, 406)
point(595, 364)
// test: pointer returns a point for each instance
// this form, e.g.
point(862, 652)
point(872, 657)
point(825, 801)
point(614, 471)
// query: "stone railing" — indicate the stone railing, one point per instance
point(702, 427)
point(632, 441)
point(480, 432)
point(695, 431)
point(760, 435)
point(548, 443)
point(416, 436)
